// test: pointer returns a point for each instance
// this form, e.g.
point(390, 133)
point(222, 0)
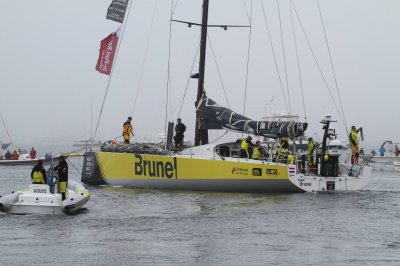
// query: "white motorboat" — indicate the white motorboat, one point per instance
point(389, 154)
point(386, 159)
point(37, 199)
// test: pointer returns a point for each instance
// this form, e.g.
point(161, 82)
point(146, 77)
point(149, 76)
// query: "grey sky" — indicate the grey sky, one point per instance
point(49, 50)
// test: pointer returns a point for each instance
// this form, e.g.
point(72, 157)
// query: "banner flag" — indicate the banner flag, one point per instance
point(108, 46)
point(116, 10)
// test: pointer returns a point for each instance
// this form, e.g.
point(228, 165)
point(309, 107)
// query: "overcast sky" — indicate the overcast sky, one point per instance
point(49, 49)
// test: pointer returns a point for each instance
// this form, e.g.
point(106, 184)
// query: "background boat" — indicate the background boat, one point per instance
point(86, 143)
point(5, 145)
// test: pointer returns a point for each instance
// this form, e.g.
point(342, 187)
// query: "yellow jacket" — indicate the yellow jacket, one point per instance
point(354, 138)
point(256, 153)
point(244, 145)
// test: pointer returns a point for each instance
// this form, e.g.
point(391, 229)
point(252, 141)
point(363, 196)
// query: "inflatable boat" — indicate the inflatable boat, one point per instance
point(38, 199)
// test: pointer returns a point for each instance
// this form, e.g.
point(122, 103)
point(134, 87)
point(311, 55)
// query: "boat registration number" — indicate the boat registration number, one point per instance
point(39, 190)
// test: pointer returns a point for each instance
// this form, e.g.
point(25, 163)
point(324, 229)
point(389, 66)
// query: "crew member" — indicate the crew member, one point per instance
point(180, 128)
point(283, 148)
point(245, 147)
point(62, 172)
point(38, 174)
point(353, 136)
point(258, 151)
point(382, 151)
point(290, 158)
point(14, 155)
point(8, 155)
point(127, 130)
point(310, 149)
point(32, 153)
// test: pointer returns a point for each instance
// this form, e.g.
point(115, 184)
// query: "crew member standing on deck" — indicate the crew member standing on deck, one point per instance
point(127, 130)
point(62, 172)
point(180, 128)
point(245, 147)
point(283, 149)
point(258, 151)
point(311, 149)
point(353, 136)
point(32, 153)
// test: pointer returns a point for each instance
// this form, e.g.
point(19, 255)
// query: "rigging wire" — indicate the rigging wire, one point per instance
point(189, 76)
point(168, 71)
point(112, 70)
point(171, 114)
point(220, 137)
point(274, 55)
point(316, 61)
point(248, 57)
point(73, 166)
point(176, 4)
point(333, 69)
point(298, 63)
point(247, 12)
point(284, 56)
point(219, 72)
point(145, 57)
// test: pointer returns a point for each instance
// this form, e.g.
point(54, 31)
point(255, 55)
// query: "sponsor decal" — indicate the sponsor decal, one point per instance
point(240, 171)
point(257, 172)
point(272, 171)
point(154, 168)
point(302, 182)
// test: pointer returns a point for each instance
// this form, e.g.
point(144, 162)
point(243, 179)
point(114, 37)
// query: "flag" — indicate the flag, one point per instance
point(116, 10)
point(108, 46)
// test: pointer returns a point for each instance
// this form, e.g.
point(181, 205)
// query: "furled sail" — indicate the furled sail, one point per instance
point(215, 116)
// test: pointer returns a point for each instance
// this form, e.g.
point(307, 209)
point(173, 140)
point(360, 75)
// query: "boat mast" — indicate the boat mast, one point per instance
point(201, 133)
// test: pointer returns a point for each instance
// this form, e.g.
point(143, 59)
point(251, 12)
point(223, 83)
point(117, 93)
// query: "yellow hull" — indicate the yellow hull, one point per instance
point(184, 173)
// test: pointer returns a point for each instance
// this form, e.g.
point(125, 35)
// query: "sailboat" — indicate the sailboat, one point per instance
point(219, 167)
point(5, 145)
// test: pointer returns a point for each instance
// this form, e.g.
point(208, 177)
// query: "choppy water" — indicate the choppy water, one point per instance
point(124, 226)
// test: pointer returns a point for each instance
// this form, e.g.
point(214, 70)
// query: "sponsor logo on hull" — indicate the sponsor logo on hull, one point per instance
point(152, 167)
point(155, 168)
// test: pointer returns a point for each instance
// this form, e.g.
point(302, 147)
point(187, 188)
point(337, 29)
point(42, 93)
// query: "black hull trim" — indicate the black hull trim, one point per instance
point(91, 174)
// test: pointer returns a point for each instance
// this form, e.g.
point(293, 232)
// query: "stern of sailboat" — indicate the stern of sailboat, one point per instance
point(91, 173)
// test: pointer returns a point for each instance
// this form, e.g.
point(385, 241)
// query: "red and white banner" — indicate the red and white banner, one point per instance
point(108, 46)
